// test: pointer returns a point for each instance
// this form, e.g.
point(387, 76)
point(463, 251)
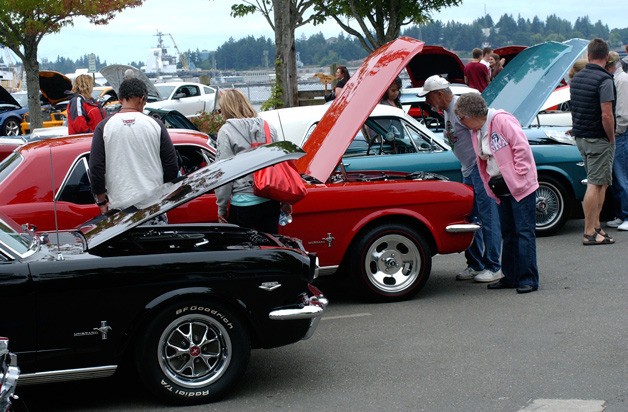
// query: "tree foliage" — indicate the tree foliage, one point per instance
point(23, 24)
point(376, 22)
point(284, 17)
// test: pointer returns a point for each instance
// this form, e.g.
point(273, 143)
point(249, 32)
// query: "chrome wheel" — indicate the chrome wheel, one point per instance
point(194, 351)
point(11, 128)
point(392, 263)
point(551, 210)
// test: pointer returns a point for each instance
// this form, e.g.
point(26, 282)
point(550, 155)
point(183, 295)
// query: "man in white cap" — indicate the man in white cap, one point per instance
point(483, 256)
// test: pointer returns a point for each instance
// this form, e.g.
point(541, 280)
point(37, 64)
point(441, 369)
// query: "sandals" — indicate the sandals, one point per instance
point(591, 240)
point(598, 230)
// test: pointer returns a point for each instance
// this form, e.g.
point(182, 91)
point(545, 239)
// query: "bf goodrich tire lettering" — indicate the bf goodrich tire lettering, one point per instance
point(193, 352)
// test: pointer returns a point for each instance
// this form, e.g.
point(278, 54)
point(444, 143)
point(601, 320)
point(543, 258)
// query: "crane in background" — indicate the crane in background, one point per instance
point(183, 58)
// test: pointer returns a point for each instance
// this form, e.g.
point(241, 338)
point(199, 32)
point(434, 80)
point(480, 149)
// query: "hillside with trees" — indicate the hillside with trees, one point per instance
point(251, 53)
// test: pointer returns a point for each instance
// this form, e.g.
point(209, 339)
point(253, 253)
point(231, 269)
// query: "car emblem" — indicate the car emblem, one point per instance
point(103, 329)
point(270, 286)
point(328, 239)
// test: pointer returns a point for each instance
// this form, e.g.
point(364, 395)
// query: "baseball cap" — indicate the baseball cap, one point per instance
point(433, 83)
point(613, 57)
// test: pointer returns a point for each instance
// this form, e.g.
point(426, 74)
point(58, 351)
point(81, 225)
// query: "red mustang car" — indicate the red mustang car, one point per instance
point(382, 228)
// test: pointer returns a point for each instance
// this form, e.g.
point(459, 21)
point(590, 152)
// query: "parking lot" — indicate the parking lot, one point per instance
point(455, 347)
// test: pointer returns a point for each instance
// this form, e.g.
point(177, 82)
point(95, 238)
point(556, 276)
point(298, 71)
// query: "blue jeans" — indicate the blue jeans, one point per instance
point(484, 250)
point(619, 188)
point(518, 222)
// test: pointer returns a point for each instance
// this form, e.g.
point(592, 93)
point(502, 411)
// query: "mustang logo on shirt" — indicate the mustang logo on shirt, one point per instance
point(497, 142)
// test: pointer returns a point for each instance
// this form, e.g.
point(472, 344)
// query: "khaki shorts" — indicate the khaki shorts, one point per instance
point(598, 154)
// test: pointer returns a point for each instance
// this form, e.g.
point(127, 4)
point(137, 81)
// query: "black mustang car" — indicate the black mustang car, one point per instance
point(185, 303)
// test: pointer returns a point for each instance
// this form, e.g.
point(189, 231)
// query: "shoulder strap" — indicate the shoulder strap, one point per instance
point(267, 131)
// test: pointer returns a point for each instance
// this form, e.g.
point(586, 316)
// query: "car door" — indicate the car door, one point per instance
point(75, 202)
point(17, 321)
point(190, 101)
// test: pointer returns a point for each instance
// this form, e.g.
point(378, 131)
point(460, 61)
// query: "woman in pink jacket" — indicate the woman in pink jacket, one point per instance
point(508, 170)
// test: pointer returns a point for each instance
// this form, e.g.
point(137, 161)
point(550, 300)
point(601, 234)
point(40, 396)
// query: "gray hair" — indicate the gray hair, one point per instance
point(471, 105)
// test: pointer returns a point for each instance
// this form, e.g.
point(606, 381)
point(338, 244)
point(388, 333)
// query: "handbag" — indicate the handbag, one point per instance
point(498, 186)
point(281, 182)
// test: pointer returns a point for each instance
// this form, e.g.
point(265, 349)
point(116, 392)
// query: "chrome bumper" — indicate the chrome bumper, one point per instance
point(9, 374)
point(463, 228)
point(313, 310)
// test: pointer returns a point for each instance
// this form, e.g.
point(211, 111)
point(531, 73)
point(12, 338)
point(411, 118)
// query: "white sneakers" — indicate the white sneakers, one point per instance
point(488, 276)
point(615, 222)
point(618, 223)
point(481, 276)
point(467, 274)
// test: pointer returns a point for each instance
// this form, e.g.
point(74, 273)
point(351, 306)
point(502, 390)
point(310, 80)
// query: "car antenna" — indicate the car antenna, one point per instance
point(54, 204)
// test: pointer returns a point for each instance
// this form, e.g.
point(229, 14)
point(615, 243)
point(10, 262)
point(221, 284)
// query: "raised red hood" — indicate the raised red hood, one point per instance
point(348, 112)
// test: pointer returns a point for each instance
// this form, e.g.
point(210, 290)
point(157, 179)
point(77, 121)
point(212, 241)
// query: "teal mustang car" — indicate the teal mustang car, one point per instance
point(392, 140)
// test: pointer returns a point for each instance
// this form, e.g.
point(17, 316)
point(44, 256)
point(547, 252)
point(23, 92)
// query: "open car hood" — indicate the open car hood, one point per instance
point(170, 195)
point(350, 109)
point(114, 74)
point(173, 119)
point(509, 52)
point(54, 86)
point(435, 60)
point(524, 85)
point(6, 98)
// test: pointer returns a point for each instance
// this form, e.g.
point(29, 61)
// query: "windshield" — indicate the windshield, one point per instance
point(164, 90)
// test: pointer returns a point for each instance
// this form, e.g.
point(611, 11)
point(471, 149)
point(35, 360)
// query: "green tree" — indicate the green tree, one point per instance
point(376, 22)
point(23, 24)
point(284, 17)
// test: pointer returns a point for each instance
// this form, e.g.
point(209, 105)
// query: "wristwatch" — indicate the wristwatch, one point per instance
point(104, 202)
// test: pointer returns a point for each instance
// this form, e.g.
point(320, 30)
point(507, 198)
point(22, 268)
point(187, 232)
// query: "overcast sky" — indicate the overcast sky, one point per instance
point(206, 24)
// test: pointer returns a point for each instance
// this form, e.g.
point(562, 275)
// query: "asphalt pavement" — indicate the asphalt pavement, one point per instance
point(455, 347)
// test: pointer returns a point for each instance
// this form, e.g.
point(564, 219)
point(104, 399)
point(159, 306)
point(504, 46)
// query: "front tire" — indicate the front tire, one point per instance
point(551, 206)
point(11, 127)
point(389, 263)
point(193, 352)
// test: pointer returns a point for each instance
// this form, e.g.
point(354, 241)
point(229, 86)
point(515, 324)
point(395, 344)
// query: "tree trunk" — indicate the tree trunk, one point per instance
point(31, 67)
point(286, 72)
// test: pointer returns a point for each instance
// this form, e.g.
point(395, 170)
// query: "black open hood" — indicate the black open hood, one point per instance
point(54, 86)
point(186, 188)
point(435, 60)
point(6, 98)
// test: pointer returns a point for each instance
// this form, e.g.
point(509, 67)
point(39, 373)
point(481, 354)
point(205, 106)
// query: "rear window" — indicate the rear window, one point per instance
point(9, 164)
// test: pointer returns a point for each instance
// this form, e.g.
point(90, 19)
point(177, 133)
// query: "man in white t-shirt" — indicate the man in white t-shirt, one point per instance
point(131, 153)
